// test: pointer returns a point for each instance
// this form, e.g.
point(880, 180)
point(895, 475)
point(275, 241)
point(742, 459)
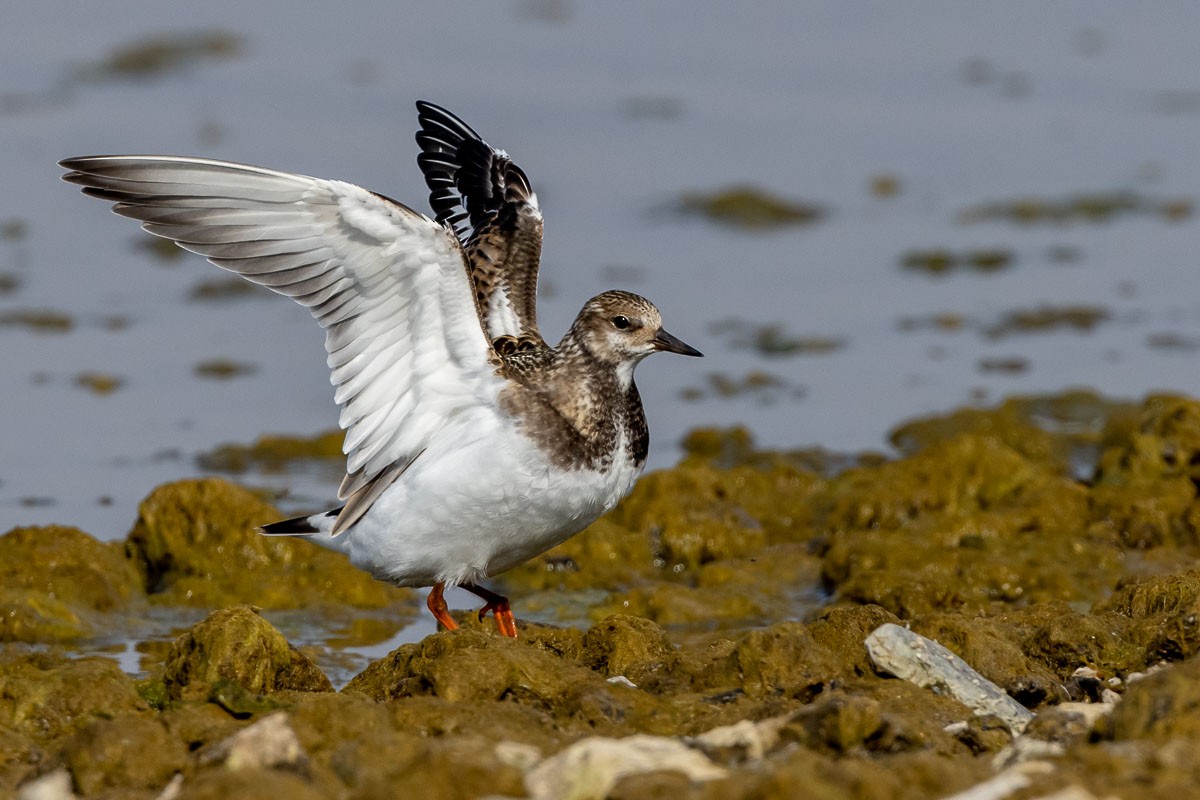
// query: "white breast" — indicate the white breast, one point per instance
point(479, 503)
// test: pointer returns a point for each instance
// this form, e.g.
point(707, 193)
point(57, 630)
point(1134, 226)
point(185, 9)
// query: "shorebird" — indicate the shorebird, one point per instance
point(472, 445)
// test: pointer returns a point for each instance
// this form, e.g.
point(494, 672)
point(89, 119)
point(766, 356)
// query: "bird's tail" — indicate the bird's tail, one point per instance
point(298, 526)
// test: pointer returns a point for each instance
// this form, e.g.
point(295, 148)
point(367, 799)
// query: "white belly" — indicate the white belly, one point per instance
point(479, 501)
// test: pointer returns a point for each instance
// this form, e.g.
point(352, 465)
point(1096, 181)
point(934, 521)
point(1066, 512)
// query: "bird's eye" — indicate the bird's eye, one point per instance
point(620, 323)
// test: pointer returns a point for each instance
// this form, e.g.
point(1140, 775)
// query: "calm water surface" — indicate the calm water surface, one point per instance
point(906, 123)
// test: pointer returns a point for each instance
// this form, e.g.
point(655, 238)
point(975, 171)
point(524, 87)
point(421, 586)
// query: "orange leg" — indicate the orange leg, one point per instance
point(437, 605)
point(498, 605)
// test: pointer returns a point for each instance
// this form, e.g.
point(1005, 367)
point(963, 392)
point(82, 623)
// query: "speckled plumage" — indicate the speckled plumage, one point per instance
point(471, 444)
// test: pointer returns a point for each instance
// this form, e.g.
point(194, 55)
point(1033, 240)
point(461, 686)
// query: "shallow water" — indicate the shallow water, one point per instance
point(615, 112)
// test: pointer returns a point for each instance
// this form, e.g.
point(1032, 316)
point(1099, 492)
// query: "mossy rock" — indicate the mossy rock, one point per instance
point(237, 646)
point(1163, 613)
point(784, 659)
point(259, 783)
point(469, 666)
point(842, 631)
point(1161, 441)
point(996, 653)
point(1162, 706)
point(53, 577)
point(628, 646)
point(21, 760)
point(47, 696)
point(127, 754)
point(31, 616)
point(195, 544)
point(968, 524)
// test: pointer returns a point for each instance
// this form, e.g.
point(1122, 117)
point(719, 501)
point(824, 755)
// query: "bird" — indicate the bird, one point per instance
point(471, 444)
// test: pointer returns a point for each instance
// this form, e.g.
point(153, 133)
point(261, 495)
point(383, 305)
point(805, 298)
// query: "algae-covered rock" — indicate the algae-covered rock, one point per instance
point(68, 565)
point(1161, 706)
point(21, 759)
point(1165, 616)
point(631, 647)
point(1146, 478)
point(195, 544)
point(238, 646)
point(468, 666)
point(998, 658)
point(784, 659)
point(52, 578)
point(842, 631)
point(128, 753)
point(249, 784)
point(31, 616)
point(965, 524)
point(47, 696)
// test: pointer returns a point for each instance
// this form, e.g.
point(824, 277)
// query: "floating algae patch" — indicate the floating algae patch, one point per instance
point(222, 369)
point(221, 289)
point(945, 321)
point(773, 339)
point(9, 282)
point(275, 453)
point(749, 208)
point(165, 53)
point(1048, 318)
point(1003, 365)
point(38, 321)
point(164, 251)
point(764, 387)
point(1097, 207)
point(1173, 343)
point(13, 230)
point(939, 262)
point(98, 383)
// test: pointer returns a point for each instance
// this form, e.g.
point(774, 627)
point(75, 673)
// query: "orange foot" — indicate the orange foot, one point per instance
point(437, 606)
point(498, 605)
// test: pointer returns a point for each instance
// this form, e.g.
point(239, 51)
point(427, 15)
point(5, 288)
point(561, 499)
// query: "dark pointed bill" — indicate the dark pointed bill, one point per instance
point(671, 344)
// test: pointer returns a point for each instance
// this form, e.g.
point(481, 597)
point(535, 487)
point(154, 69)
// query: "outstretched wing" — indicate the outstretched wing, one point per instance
point(471, 182)
point(388, 285)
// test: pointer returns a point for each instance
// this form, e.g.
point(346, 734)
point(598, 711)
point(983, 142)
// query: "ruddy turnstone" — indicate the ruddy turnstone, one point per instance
point(472, 445)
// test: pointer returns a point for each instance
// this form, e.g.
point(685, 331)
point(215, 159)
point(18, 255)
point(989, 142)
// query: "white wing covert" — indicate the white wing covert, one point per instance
point(389, 286)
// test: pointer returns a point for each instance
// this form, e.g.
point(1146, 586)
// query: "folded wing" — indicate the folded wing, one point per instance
point(487, 201)
point(388, 285)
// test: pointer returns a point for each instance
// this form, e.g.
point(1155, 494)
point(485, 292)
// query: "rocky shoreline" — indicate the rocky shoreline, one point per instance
point(708, 639)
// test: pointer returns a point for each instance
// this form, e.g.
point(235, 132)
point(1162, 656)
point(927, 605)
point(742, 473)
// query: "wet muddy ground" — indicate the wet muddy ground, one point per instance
point(704, 640)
